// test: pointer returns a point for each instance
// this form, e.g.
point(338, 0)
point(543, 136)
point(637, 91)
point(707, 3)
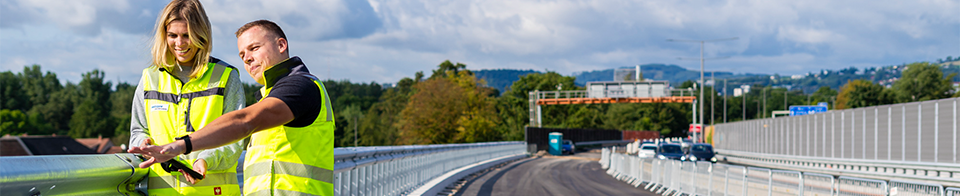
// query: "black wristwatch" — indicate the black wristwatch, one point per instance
point(186, 140)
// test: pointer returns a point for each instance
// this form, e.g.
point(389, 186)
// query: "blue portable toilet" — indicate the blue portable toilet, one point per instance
point(556, 143)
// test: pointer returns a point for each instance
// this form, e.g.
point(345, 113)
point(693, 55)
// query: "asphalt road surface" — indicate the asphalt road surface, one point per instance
point(578, 174)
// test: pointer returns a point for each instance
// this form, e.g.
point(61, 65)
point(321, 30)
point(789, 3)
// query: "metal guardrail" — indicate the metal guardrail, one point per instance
point(758, 181)
point(784, 182)
point(904, 188)
point(383, 170)
point(952, 191)
point(926, 172)
point(818, 184)
point(673, 177)
point(608, 142)
point(106, 174)
point(395, 170)
point(703, 178)
point(860, 186)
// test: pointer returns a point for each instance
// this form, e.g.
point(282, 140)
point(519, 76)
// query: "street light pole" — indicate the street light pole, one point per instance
point(355, 120)
point(695, 136)
point(724, 100)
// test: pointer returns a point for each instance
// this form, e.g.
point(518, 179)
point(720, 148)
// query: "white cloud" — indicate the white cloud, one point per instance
point(385, 40)
point(806, 35)
point(71, 13)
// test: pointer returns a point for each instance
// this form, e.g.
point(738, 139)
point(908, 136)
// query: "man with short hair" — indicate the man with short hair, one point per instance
point(290, 128)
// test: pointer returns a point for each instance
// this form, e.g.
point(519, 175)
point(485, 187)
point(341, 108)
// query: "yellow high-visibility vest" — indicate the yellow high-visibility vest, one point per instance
point(291, 160)
point(175, 109)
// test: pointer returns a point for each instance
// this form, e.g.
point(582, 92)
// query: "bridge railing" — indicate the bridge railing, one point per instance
point(395, 170)
point(935, 173)
point(382, 170)
point(674, 177)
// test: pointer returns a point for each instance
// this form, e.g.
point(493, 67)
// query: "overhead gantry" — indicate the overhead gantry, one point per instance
point(609, 92)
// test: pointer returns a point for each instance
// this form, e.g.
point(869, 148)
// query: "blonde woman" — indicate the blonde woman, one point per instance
point(182, 91)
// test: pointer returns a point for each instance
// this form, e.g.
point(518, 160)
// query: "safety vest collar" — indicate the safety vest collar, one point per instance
point(286, 68)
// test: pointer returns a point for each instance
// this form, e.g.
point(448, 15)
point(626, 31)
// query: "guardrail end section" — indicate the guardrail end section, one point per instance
point(136, 184)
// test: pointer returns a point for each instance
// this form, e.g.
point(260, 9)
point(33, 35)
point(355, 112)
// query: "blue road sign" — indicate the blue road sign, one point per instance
point(806, 109)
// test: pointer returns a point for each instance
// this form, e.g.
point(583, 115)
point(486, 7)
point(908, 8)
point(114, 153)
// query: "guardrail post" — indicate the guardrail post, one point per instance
point(800, 188)
point(769, 182)
point(640, 173)
point(710, 182)
point(726, 182)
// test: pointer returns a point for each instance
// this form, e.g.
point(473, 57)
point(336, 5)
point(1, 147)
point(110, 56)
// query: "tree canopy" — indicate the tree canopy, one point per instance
point(452, 105)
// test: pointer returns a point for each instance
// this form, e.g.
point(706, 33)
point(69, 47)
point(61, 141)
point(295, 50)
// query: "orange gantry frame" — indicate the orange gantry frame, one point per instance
point(562, 101)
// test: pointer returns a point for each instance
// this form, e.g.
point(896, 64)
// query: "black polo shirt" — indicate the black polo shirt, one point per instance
point(293, 84)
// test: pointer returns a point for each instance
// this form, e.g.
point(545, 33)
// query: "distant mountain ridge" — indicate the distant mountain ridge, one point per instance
point(808, 83)
point(660, 72)
point(501, 79)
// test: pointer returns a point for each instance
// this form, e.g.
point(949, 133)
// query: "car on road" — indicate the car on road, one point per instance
point(670, 151)
point(700, 152)
point(568, 147)
point(647, 151)
point(685, 143)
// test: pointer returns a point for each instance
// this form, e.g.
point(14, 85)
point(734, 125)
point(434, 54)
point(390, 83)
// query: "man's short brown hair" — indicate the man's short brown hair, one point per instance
point(265, 25)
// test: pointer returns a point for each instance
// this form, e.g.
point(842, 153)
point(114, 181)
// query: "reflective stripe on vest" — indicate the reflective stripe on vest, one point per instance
point(208, 180)
point(268, 192)
point(292, 160)
point(288, 168)
point(174, 109)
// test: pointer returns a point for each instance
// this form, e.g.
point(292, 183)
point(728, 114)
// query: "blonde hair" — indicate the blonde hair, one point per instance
point(198, 31)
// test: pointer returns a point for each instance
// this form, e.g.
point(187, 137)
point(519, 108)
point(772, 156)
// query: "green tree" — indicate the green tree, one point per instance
point(38, 86)
point(823, 94)
point(29, 92)
point(251, 92)
point(589, 116)
point(91, 118)
point(449, 108)
point(380, 125)
point(513, 106)
point(446, 68)
point(11, 88)
point(432, 113)
point(121, 101)
point(514, 117)
point(351, 116)
point(862, 93)
point(922, 82)
point(14, 122)
point(58, 111)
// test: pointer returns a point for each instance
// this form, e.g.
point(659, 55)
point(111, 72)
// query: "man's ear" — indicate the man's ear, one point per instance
point(282, 45)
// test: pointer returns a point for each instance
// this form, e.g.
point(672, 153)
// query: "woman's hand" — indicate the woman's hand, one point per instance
point(201, 167)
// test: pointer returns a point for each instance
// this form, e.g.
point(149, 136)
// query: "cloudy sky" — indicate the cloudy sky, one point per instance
point(386, 40)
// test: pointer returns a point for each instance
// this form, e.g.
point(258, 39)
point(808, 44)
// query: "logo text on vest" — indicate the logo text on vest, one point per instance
point(158, 107)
